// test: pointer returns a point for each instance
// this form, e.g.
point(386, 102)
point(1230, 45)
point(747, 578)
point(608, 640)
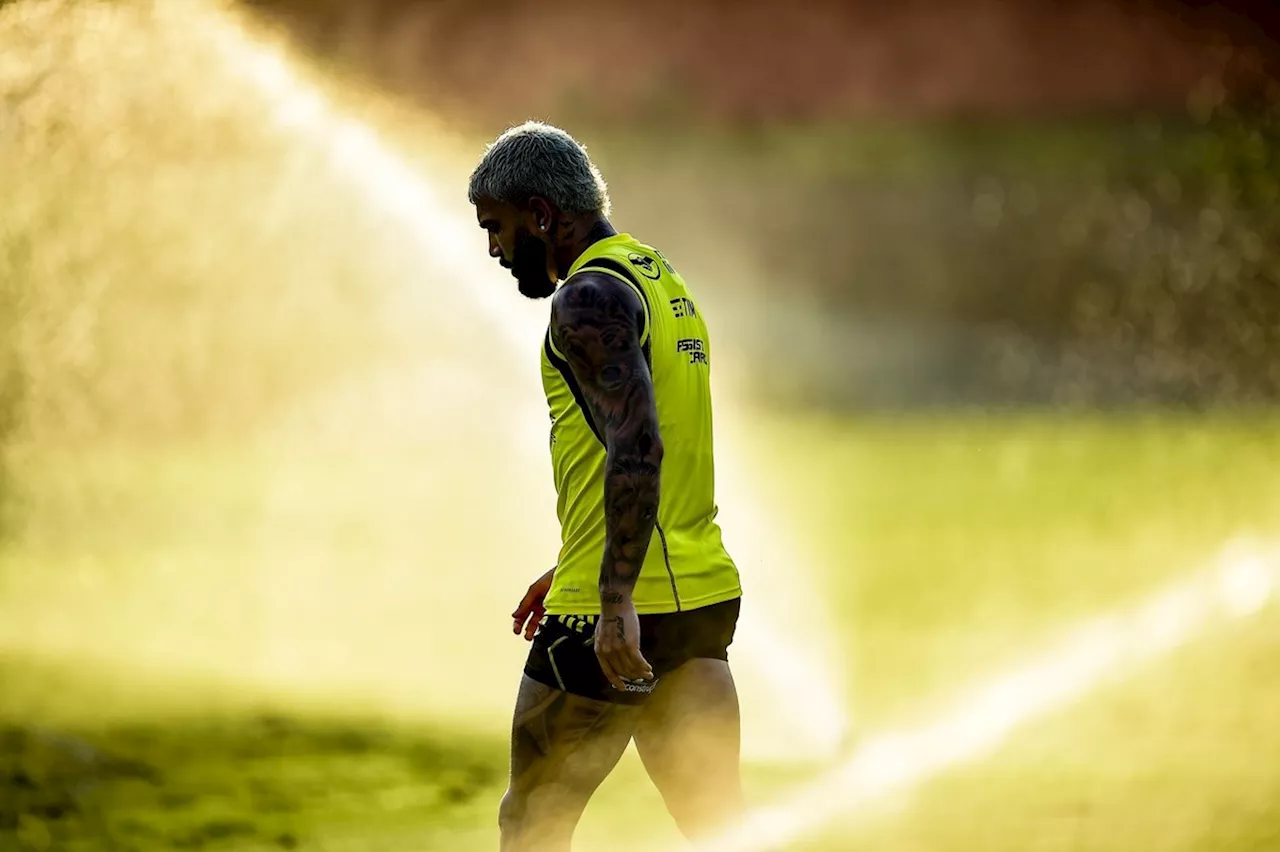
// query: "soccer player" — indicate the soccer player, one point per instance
point(631, 629)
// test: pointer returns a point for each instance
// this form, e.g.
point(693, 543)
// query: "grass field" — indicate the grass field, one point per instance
point(946, 550)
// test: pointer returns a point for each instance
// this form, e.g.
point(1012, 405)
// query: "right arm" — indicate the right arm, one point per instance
point(595, 323)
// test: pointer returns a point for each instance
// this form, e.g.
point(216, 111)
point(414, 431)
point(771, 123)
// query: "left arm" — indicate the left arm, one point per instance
point(595, 323)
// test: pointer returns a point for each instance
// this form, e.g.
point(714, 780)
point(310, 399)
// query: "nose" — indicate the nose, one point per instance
point(495, 250)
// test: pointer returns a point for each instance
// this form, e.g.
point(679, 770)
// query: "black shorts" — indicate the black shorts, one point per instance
point(563, 653)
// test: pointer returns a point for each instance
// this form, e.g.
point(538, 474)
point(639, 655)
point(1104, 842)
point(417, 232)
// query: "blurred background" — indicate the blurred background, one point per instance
point(1003, 202)
point(995, 287)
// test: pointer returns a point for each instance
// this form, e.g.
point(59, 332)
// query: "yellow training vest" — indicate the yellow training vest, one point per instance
point(686, 566)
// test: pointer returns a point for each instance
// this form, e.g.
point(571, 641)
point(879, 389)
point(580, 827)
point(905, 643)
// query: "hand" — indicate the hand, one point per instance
point(531, 607)
point(617, 642)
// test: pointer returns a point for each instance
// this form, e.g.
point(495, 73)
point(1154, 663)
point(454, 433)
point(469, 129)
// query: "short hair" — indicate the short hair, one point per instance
point(537, 159)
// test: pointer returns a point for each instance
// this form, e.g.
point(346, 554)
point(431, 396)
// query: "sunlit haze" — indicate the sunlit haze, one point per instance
point(1241, 583)
point(455, 516)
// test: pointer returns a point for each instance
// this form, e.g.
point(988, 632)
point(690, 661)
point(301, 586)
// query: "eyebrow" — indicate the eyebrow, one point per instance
point(486, 223)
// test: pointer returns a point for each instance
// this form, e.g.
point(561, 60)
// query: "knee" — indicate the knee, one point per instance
point(517, 814)
point(537, 820)
point(701, 810)
point(510, 813)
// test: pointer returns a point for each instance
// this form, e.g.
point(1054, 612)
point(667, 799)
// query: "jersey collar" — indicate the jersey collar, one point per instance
point(594, 251)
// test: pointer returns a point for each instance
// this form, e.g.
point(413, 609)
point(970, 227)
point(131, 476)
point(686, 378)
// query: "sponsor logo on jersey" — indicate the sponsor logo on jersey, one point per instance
point(682, 307)
point(647, 266)
point(695, 348)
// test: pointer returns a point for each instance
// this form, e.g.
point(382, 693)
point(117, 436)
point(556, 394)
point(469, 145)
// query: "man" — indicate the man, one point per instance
point(643, 602)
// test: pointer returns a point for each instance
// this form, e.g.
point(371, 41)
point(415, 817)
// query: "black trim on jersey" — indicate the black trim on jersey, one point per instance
point(566, 373)
point(666, 559)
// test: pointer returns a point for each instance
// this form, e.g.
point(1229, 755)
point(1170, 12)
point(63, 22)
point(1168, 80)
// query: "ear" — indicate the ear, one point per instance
point(542, 213)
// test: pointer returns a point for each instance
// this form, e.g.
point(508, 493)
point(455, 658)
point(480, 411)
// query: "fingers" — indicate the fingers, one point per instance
point(531, 608)
point(610, 674)
point(628, 663)
point(534, 620)
point(623, 666)
point(531, 603)
point(534, 615)
point(621, 663)
point(641, 667)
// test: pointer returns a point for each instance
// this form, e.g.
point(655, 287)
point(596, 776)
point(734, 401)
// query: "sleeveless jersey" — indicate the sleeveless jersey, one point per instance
point(686, 566)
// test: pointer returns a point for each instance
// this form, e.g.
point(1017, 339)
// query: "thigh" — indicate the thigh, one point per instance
point(563, 739)
point(689, 732)
point(689, 738)
point(692, 721)
point(569, 730)
point(562, 747)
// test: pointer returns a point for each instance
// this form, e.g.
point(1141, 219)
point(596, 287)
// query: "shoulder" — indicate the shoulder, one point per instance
point(595, 299)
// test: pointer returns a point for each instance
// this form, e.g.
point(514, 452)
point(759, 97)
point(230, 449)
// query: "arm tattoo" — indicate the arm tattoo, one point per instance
point(595, 322)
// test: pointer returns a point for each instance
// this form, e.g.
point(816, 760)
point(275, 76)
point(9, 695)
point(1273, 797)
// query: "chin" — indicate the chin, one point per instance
point(536, 289)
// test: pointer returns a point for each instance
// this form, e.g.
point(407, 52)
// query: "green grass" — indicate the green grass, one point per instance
point(234, 777)
point(948, 545)
point(1184, 756)
point(945, 549)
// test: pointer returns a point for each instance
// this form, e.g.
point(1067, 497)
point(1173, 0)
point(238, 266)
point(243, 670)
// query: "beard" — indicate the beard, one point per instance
point(529, 266)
